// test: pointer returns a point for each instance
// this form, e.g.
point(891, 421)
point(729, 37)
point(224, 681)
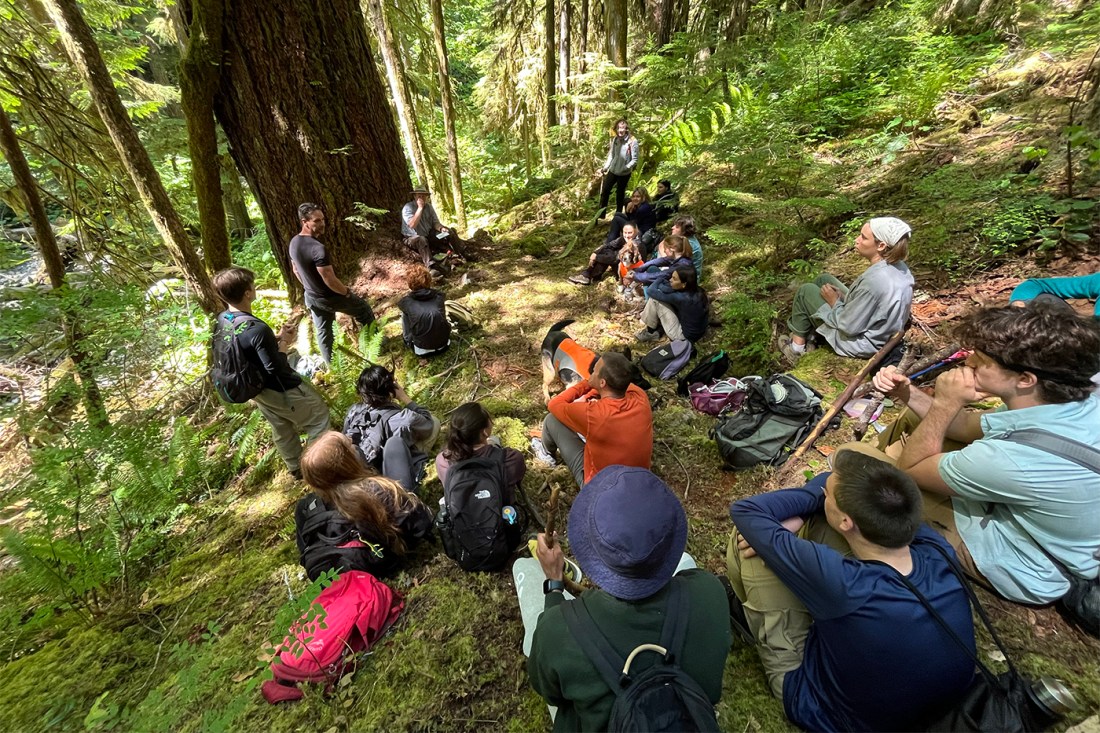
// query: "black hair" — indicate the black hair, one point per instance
point(666, 183)
point(305, 210)
point(882, 500)
point(376, 386)
point(232, 283)
point(468, 421)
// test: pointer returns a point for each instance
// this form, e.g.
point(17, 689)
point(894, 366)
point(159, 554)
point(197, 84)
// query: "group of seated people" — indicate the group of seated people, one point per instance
point(820, 577)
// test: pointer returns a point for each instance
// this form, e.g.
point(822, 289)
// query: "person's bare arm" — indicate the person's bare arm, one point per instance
point(965, 427)
point(922, 453)
point(329, 276)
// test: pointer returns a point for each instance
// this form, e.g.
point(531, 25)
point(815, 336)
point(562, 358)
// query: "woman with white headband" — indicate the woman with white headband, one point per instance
point(857, 321)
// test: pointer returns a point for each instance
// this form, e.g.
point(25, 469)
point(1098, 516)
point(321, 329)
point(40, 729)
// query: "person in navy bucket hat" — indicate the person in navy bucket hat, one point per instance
point(628, 532)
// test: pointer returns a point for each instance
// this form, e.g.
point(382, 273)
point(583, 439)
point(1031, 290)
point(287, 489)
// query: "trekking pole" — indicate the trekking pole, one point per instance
point(551, 514)
point(839, 402)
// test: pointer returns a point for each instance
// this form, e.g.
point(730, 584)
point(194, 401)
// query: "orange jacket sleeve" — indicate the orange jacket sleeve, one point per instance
point(573, 415)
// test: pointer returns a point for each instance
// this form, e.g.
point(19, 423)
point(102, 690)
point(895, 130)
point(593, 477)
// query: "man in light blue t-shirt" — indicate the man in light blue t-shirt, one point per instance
point(1019, 516)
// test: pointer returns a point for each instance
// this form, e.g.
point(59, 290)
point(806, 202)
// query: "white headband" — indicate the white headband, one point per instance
point(889, 229)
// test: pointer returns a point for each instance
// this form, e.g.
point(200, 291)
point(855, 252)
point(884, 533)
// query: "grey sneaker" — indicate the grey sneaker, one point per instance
point(647, 334)
point(786, 349)
point(541, 454)
point(580, 279)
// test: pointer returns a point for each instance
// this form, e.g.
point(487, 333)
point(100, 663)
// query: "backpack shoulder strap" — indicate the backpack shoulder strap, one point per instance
point(1082, 454)
point(674, 632)
point(594, 644)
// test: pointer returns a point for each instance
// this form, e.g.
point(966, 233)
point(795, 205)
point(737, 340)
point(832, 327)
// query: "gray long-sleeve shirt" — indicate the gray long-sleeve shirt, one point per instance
point(622, 156)
point(877, 306)
point(429, 221)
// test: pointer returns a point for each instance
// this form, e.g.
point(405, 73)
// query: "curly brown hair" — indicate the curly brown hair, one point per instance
point(418, 278)
point(1060, 348)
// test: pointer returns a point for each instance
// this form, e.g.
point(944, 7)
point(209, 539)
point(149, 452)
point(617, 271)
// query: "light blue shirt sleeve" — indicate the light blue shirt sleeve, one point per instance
point(985, 471)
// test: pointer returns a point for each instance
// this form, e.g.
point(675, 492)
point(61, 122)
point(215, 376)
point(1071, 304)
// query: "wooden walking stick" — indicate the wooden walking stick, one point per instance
point(551, 515)
point(877, 397)
point(839, 402)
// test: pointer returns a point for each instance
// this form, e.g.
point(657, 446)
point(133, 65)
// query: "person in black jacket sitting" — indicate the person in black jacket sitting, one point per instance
point(424, 315)
point(640, 213)
point(387, 520)
point(678, 306)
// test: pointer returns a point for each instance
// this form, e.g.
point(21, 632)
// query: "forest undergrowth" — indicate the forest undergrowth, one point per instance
point(196, 537)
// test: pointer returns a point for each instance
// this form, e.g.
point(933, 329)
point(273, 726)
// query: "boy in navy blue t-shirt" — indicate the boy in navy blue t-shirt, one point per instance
point(844, 643)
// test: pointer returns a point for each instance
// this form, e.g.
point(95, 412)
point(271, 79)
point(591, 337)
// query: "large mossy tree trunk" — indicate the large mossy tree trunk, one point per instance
point(306, 117)
point(81, 48)
point(439, 34)
point(582, 65)
point(615, 27)
point(55, 270)
point(200, 68)
point(236, 206)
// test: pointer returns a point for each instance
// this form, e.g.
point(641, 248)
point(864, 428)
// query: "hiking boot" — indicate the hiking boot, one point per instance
point(787, 349)
point(580, 279)
point(647, 334)
point(297, 474)
point(436, 273)
point(739, 625)
point(542, 455)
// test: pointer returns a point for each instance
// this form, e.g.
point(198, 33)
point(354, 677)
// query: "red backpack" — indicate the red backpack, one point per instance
point(359, 610)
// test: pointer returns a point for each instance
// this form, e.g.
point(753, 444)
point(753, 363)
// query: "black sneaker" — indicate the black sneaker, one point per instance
point(738, 623)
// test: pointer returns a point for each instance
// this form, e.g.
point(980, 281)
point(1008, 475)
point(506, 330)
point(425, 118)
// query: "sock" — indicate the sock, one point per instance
point(798, 348)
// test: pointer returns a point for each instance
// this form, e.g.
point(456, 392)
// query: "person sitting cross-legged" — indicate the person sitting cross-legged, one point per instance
point(845, 644)
point(628, 532)
point(857, 321)
point(677, 306)
point(1011, 488)
point(600, 421)
point(424, 324)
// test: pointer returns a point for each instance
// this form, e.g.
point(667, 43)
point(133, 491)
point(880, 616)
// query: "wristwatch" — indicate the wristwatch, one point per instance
point(549, 586)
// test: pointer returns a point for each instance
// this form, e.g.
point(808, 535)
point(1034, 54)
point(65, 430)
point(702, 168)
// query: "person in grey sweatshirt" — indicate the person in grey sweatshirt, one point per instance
point(622, 156)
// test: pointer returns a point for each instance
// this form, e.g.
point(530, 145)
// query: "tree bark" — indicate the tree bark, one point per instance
point(236, 208)
point(200, 68)
point(304, 111)
point(565, 42)
point(55, 269)
point(615, 22)
point(549, 28)
point(395, 74)
point(448, 111)
point(81, 48)
point(582, 65)
point(738, 21)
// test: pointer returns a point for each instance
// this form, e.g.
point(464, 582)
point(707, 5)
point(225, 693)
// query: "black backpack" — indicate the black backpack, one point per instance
point(369, 429)
point(663, 697)
point(710, 367)
point(320, 530)
point(776, 415)
point(471, 520)
point(236, 378)
point(666, 360)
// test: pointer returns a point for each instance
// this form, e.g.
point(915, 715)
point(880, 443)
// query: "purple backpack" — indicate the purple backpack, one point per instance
point(721, 395)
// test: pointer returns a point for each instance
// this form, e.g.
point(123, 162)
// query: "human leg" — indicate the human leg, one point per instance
point(397, 463)
point(670, 322)
point(322, 317)
point(356, 307)
point(424, 445)
point(776, 617)
point(939, 513)
point(620, 191)
point(605, 192)
point(276, 409)
point(310, 410)
point(556, 437)
point(420, 246)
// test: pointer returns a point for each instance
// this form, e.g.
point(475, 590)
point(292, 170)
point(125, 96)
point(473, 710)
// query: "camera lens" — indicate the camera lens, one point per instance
point(1053, 697)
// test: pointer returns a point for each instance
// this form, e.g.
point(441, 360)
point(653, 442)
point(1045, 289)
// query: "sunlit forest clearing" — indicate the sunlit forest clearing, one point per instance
point(147, 537)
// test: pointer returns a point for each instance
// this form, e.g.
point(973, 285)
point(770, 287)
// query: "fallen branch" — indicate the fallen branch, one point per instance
point(840, 401)
point(687, 476)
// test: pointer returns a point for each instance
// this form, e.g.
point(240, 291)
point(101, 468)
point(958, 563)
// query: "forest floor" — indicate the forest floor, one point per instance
point(189, 654)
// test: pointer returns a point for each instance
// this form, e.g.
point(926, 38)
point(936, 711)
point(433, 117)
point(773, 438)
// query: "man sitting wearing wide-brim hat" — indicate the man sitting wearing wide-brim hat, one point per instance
point(424, 234)
point(628, 532)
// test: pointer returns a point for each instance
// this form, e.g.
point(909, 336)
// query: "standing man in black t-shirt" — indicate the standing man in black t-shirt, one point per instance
point(289, 403)
point(325, 295)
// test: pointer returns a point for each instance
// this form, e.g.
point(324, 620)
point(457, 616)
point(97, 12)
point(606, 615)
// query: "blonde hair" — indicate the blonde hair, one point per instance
point(896, 253)
point(676, 245)
point(332, 459)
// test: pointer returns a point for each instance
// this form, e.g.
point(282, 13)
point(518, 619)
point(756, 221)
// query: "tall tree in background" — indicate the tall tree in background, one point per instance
point(615, 39)
point(565, 42)
point(200, 68)
point(84, 54)
point(445, 92)
point(549, 27)
point(582, 65)
point(304, 109)
point(395, 74)
point(55, 269)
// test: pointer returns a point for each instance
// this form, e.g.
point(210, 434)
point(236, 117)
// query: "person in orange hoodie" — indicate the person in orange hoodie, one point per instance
point(600, 421)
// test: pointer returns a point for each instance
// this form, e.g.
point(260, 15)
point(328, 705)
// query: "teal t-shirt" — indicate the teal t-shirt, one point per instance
point(1013, 499)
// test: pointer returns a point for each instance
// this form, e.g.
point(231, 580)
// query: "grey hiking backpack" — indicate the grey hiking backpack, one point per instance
point(776, 415)
point(369, 429)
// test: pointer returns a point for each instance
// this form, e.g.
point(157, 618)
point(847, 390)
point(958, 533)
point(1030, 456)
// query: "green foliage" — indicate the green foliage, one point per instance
point(365, 217)
point(255, 254)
